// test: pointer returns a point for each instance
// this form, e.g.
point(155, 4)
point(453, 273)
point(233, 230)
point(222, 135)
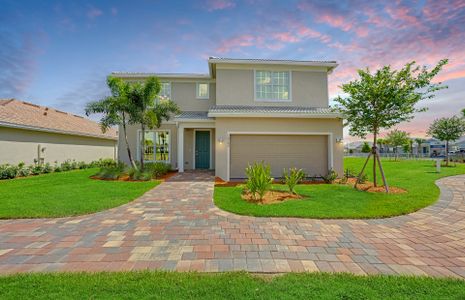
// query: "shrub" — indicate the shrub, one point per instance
point(259, 179)
point(66, 165)
point(106, 162)
point(8, 171)
point(330, 177)
point(139, 175)
point(36, 169)
point(362, 179)
point(157, 169)
point(47, 168)
point(24, 171)
point(292, 177)
point(83, 165)
point(349, 173)
point(74, 165)
point(111, 172)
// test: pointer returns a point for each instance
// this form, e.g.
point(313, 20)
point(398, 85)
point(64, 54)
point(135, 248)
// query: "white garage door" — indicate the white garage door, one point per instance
point(309, 152)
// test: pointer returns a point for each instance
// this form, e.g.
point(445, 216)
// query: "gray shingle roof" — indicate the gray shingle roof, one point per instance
point(270, 60)
point(271, 109)
point(193, 115)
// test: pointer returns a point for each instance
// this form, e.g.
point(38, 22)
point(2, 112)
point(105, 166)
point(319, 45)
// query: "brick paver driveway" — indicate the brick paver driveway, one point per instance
point(176, 227)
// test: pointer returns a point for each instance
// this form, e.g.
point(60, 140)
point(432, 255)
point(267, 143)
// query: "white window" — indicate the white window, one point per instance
point(272, 86)
point(202, 90)
point(165, 92)
point(157, 145)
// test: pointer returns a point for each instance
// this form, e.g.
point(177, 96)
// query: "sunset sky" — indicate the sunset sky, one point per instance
point(58, 53)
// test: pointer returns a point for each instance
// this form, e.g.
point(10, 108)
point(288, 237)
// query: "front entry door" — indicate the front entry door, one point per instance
point(202, 149)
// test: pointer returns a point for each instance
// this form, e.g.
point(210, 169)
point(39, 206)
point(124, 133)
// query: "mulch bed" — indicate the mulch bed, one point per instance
point(367, 186)
point(126, 177)
point(272, 197)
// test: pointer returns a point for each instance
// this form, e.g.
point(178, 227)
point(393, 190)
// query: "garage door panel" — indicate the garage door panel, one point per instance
point(309, 152)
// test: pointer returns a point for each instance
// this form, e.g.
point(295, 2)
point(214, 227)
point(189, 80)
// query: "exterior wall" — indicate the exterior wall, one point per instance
point(18, 145)
point(132, 131)
point(275, 125)
point(235, 86)
point(184, 94)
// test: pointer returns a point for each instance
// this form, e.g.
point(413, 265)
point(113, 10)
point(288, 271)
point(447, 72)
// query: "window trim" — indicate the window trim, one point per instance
point(169, 145)
point(171, 88)
point(197, 90)
point(271, 100)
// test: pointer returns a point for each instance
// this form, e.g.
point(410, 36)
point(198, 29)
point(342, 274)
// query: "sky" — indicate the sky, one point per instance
point(58, 53)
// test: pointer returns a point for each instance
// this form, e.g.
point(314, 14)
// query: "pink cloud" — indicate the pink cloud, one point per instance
point(227, 45)
point(93, 12)
point(286, 37)
point(213, 5)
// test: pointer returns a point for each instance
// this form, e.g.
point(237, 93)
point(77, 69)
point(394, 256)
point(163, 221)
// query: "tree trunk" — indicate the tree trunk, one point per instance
point(375, 154)
point(447, 153)
point(386, 187)
point(131, 160)
point(142, 147)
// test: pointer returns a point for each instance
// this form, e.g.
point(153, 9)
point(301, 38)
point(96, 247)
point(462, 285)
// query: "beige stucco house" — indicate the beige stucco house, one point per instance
point(31, 132)
point(246, 110)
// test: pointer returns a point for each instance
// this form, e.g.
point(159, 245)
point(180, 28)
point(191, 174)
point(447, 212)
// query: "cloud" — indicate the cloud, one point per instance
point(93, 12)
point(213, 5)
point(235, 43)
point(17, 63)
point(114, 11)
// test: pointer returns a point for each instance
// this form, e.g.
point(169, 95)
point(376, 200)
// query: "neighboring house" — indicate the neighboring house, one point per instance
point(30, 133)
point(245, 111)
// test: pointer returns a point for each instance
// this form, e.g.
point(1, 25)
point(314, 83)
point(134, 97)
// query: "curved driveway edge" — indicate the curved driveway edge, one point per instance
point(175, 226)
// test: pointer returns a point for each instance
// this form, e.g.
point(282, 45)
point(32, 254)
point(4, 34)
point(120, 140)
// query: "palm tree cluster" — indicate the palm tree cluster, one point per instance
point(133, 103)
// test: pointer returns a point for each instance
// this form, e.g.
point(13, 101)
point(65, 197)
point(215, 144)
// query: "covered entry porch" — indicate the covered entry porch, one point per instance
point(196, 145)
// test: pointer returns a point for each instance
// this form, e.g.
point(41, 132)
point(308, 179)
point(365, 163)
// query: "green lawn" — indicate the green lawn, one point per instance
point(65, 194)
point(340, 201)
point(164, 285)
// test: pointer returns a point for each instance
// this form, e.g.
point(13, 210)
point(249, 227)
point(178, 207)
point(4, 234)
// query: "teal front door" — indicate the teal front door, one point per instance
point(202, 149)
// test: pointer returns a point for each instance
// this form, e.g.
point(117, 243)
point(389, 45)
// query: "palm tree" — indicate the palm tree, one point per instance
point(419, 142)
point(115, 109)
point(148, 112)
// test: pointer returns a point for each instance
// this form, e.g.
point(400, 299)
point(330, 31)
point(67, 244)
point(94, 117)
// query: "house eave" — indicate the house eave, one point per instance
point(49, 130)
point(274, 115)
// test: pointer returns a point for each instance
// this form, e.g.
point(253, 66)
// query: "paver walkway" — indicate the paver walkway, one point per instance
point(176, 227)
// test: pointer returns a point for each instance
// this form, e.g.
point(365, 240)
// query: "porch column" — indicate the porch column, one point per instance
point(181, 148)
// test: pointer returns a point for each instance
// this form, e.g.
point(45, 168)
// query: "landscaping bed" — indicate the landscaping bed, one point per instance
point(234, 285)
point(65, 194)
point(328, 201)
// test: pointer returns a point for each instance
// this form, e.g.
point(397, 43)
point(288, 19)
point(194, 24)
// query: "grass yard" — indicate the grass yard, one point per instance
point(340, 201)
point(65, 194)
point(164, 285)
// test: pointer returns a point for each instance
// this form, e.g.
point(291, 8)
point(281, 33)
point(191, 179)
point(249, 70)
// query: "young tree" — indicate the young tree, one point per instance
point(150, 112)
point(398, 138)
point(447, 129)
point(365, 148)
point(115, 109)
point(383, 99)
point(419, 142)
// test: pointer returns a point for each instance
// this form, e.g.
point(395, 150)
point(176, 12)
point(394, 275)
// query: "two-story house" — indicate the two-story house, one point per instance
point(245, 111)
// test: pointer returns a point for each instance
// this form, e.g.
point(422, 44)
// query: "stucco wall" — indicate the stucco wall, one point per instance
point(132, 140)
point(18, 145)
point(274, 125)
point(236, 87)
point(184, 94)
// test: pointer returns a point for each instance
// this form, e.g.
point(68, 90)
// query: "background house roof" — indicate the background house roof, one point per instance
point(25, 115)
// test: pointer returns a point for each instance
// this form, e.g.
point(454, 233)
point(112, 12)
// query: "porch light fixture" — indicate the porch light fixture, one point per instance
point(220, 140)
point(339, 140)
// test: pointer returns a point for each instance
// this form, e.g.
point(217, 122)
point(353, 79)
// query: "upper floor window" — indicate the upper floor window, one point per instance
point(165, 92)
point(272, 86)
point(202, 90)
